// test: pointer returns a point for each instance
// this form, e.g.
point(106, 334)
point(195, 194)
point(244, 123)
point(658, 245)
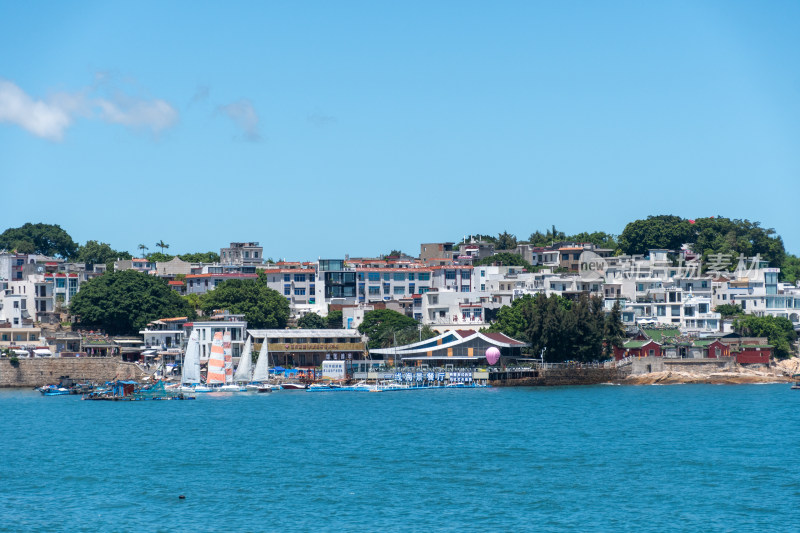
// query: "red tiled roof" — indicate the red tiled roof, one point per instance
point(499, 337)
point(247, 276)
point(176, 282)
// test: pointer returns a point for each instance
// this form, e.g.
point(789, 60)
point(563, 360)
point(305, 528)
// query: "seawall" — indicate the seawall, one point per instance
point(37, 372)
point(560, 376)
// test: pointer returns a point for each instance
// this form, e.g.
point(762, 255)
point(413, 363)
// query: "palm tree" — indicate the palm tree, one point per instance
point(142, 247)
point(161, 244)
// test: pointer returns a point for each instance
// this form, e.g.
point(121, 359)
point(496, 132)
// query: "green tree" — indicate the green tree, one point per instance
point(790, 270)
point(161, 244)
point(505, 259)
point(158, 257)
point(142, 248)
point(45, 239)
point(511, 320)
point(655, 232)
point(261, 306)
point(381, 325)
point(334, 319)
point(94, 252)
point(729, 310)
point(778, 330)
point(122, 303)
point(311, 321)
point(506, 241)
point(613, 330)
point(394, 253)
point(201, 257)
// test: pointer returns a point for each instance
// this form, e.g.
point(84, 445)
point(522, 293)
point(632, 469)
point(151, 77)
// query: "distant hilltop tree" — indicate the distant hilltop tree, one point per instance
point(44, 239)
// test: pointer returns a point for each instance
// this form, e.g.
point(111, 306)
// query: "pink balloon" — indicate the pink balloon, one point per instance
point(492, 355)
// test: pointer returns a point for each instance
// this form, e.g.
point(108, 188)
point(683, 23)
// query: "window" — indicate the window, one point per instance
point(374, 276)
point(287, 291)
point(465, 288)
point(387, 276)
point(312, 289)
point(360, 276)
point(287, 277)
point(465, 274)
point(410, 276)
point(483, 273)
point(424, 276)
point(483, 286)
point(399, 276)
point(565, 257)
point(60, 283)
point(374, 291)
point(450, 275)
point(410, 288)
point(651, 352)
point(385, 288)
point(300, 277)
point(399, 289)
point(255, 255)
point(300, 291)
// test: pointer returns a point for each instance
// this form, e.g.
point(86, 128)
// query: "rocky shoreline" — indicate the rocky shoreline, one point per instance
point(780, 372)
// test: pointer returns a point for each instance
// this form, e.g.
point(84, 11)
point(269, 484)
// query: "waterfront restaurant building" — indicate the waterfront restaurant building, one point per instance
point(455, 348)
point(309, 347)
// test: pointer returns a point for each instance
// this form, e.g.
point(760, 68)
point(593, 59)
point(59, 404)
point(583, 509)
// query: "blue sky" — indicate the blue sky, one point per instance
point(333, 128)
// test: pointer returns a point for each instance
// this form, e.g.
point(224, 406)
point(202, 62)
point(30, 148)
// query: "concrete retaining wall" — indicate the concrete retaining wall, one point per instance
point(645, 365)
point(37, 372)
point(566, 376)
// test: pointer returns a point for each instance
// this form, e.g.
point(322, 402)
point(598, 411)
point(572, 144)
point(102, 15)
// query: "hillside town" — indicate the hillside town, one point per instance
point(667, 299)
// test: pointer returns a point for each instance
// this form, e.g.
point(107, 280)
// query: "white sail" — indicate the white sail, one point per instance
point(261, 373)
point(190, 372)
point(245, 363)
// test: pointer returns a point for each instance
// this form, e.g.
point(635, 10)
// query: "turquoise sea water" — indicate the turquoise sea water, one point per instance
point(605, 458)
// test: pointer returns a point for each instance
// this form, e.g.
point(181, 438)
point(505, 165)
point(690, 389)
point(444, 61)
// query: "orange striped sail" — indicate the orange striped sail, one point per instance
point(226, 348)
point(216, 362)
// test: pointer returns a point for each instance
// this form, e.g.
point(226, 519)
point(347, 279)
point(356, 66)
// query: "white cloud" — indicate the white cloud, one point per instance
point(245, 116)
point(156, 115)
point(50, 119)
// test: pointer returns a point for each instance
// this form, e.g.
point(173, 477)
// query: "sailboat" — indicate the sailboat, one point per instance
point(190, 371)
point(215, 376)
point(229, 385)
point(245, 367)
point(260, 379)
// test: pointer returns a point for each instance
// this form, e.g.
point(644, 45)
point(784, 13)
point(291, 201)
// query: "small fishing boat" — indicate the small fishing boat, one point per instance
point(796, 384)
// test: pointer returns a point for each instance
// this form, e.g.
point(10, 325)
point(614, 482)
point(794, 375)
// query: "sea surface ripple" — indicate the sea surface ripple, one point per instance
point(603, 458)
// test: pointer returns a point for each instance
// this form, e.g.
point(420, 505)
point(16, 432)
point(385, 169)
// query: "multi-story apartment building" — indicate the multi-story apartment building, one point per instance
point(242, 253)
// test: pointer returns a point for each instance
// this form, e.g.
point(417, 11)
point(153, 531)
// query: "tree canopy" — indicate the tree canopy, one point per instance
point(563, 329)
point(506, 241)
point(122, 303)
point(655, 232)
point(383, 326)
point(334, 319)
point(311, 321)
point(201, 257)
point(261, 306)
point(94, 252)
point(505, 259)
point(719, 236)
point(45, 239)
point(778, 330)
